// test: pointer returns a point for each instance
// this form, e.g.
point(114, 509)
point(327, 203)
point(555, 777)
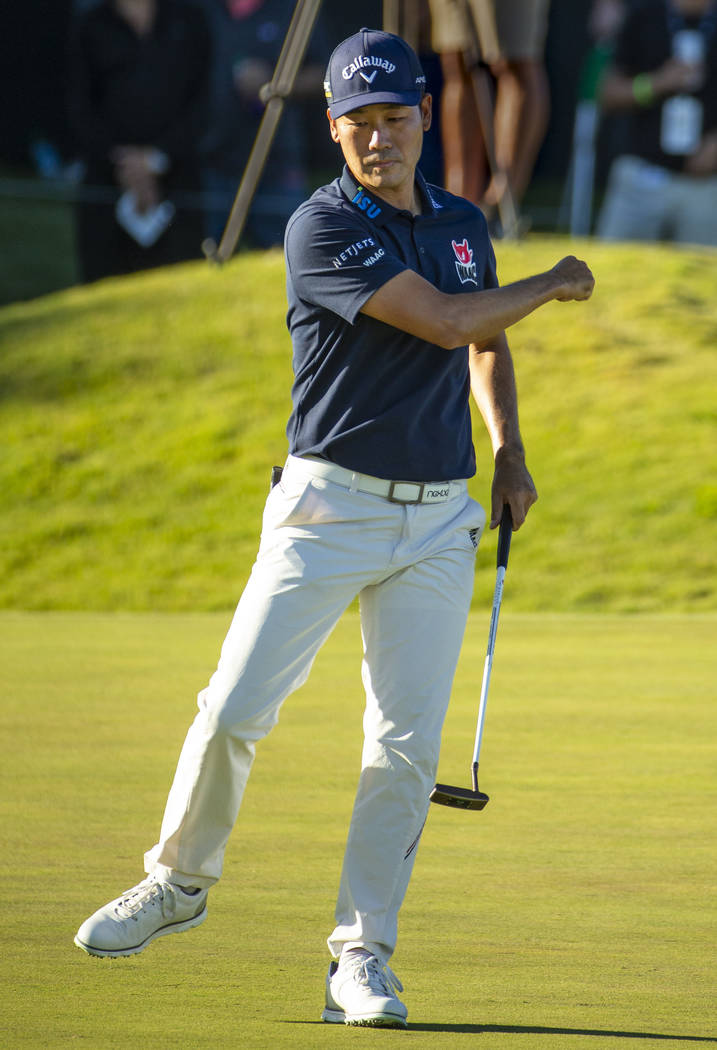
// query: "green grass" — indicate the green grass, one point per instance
point(576, 911)
point(139, 419)
point(37, 237)
point(138, 422)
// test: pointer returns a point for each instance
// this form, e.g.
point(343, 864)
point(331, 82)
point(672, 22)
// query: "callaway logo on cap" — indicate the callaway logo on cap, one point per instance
point(370, 67)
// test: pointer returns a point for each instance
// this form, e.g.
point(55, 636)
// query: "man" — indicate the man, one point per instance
point(389, 280)
point(664, 79)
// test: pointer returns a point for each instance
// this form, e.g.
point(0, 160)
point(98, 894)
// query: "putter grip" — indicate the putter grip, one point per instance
point(505, 531)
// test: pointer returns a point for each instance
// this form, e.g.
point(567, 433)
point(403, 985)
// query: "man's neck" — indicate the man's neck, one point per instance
point(410, 200)
point(407, 200)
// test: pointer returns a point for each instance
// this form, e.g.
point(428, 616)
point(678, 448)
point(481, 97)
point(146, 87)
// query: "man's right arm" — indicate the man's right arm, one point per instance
point(409, 302)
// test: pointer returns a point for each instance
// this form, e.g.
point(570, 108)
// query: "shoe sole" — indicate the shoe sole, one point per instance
point(117, 953)
point(363, 1020)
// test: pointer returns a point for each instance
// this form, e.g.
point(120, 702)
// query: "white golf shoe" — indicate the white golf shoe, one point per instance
point(149, 910)
point(361, 990)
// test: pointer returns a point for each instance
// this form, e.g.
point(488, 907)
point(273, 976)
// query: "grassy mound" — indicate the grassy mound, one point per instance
point(139, 419)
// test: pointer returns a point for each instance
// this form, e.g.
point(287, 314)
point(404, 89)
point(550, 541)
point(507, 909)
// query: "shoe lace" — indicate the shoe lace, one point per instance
point(379, 977)
point(149, 892)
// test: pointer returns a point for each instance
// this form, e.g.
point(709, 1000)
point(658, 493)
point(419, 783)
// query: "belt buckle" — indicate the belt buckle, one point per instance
point(393, 498)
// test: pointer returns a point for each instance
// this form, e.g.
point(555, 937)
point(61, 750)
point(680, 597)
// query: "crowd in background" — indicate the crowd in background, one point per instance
point(156, 105)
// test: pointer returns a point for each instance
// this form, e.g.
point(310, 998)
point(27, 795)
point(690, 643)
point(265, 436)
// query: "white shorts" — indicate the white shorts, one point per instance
point(322, 544)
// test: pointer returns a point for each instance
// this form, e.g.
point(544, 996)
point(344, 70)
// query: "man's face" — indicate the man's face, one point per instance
point(382, 144)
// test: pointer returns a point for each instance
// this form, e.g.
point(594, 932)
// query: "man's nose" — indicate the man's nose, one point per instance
point(380, 138)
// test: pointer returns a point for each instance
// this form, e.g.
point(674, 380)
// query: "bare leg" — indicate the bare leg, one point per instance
point(521, 118)
point(465, 166)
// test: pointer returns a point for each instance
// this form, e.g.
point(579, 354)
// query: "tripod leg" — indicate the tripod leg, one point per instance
point(280, 86)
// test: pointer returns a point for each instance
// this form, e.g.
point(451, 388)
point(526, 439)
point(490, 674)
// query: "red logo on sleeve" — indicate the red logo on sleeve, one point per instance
point(465, 266)
point(464, 252)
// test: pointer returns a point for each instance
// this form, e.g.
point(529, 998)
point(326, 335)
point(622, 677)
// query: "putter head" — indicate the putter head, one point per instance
point(459, 798)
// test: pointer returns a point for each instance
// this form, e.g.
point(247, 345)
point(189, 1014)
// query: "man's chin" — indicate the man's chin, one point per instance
point(386, 178)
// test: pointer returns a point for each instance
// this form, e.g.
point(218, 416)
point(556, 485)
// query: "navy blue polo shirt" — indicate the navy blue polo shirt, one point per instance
point(366, 395)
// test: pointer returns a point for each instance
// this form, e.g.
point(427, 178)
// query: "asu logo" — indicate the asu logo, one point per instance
point(465, 266)
point(364, 202)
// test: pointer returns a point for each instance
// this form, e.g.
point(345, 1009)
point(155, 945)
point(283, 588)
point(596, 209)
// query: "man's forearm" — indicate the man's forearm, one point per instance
point(411, 303)
point(493, 389)
point(480, 317)
point(494, 392)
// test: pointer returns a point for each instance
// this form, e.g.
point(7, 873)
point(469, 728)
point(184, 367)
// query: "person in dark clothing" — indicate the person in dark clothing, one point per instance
point(138, 76)
point(664, 79)
point(247, 37)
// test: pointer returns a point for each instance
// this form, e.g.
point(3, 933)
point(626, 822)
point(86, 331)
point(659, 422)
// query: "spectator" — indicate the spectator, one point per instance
point(665, 78)
point(138, 75)
point(247, 38)
point(521, 95)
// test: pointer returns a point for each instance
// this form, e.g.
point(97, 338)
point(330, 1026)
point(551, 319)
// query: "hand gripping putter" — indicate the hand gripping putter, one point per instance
point(464, 798)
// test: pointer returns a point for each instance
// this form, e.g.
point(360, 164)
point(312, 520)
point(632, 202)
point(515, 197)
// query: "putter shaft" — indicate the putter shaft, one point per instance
point(462, 798)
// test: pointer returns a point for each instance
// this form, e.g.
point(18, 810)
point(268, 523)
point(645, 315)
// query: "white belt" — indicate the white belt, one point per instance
point(393, 491)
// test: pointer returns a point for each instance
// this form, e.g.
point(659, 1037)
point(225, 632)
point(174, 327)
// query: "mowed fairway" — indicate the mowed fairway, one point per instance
point(577, 910)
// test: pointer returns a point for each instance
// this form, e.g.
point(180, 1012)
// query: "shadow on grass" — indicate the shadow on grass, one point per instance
point(529, 1029)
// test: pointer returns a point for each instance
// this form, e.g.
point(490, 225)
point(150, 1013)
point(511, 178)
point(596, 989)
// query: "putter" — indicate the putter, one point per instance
point(466, 798)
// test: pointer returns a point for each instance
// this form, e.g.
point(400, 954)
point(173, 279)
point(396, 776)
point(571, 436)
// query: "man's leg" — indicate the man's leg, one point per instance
point(267, 654)
point(302, 581)
point(413, 626)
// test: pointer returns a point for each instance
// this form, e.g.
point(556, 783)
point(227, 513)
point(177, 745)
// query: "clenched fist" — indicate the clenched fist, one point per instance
point(575, 281)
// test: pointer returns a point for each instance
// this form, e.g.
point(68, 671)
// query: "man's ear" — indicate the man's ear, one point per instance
point(333, 130)
point(427, 111)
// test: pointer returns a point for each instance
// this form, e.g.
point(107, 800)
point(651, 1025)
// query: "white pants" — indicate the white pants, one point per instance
point(646, 203)
point(321, 545)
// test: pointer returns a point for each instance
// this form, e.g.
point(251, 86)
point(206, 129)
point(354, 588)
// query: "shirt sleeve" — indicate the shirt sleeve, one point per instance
point(335, 261)
point(490, 277)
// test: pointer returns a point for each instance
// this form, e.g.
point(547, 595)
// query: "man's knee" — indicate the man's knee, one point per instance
point(230, 714)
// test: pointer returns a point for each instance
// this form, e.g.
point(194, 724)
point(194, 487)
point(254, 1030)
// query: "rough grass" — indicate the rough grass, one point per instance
point(139, 419)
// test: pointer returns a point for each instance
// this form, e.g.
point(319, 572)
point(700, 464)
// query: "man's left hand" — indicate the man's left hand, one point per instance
point(512, 484)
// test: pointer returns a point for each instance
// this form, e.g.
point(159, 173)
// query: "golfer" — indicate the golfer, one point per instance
point(395, 316)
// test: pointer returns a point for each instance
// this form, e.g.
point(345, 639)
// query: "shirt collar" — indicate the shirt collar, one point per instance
point(377, 209)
